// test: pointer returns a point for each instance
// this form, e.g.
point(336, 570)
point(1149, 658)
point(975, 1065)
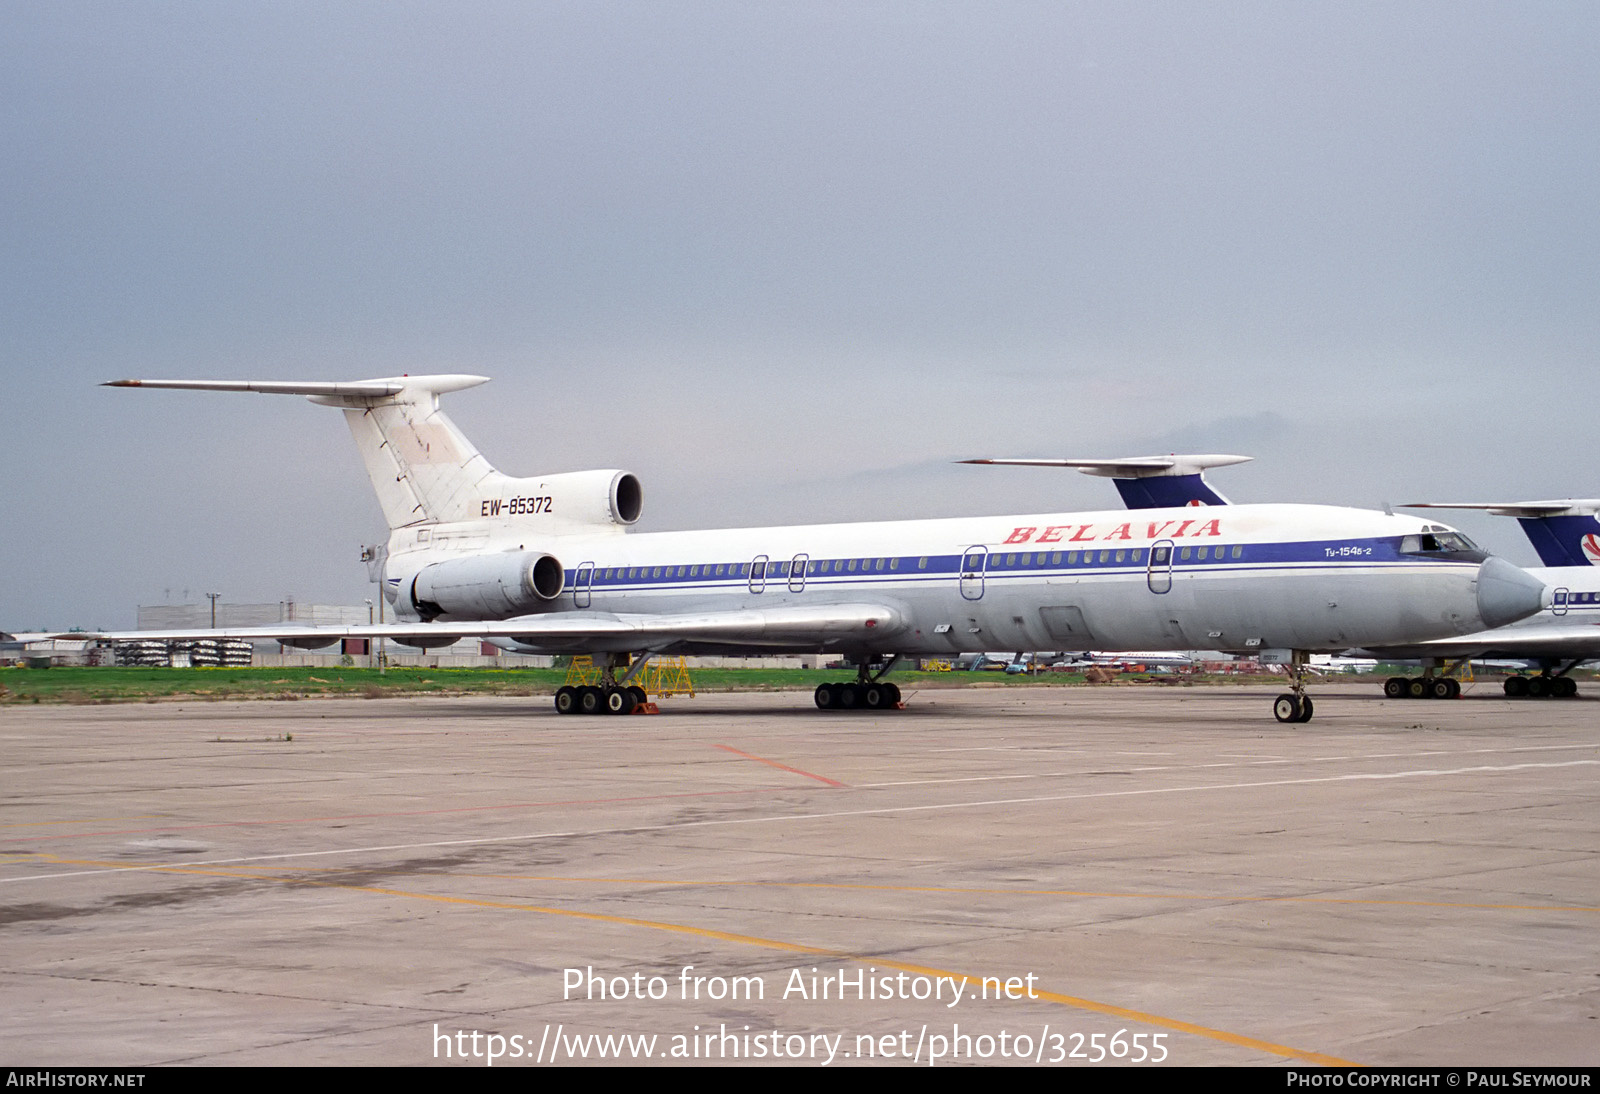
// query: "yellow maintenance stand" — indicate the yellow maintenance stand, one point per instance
point(660, 677)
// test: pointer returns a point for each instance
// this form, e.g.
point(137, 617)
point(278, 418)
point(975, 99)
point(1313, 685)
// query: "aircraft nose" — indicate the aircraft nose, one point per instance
point(1507, 594)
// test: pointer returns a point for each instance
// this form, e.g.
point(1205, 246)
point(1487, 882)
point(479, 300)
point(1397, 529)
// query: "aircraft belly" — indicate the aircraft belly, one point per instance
point(1067, 627)
point(1329, 610)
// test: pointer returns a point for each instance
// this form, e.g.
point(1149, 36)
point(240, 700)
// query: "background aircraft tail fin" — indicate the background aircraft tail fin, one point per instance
point(1565, 532)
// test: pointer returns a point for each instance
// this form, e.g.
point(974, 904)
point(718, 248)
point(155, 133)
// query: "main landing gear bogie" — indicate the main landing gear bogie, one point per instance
point(1422, 687)
point(595, 699)
point(1541, 687)
point(869, 690)
point(868, 696)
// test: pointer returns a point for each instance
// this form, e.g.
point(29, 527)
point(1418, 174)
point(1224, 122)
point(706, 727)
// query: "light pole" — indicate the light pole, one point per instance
point(213, 598)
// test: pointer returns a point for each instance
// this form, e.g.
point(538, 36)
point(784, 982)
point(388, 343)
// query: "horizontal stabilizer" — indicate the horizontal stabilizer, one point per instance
point(366, 389)
point(1146, 482)
point(1559, 507)
point(1130, 467)
point(421, 466)
point(333, 390)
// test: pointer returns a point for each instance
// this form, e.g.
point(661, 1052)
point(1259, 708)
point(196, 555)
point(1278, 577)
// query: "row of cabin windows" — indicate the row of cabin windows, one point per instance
point(742, 569)
point(1135, 554)
point(1027, 560)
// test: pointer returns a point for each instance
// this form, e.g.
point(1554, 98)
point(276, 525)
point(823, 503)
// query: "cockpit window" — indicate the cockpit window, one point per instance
point(1438, 543)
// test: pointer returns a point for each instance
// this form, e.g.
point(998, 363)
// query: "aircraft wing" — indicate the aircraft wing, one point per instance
point(782, 627)
point(1545, 640)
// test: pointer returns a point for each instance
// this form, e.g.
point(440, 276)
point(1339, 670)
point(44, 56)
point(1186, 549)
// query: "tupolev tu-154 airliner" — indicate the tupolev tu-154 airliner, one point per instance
point(549, 564)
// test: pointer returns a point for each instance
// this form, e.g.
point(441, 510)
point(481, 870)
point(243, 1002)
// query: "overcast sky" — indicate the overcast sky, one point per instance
point(785, 262)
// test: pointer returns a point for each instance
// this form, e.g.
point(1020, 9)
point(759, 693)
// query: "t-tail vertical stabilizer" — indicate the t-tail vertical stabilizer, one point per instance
point(421, 465)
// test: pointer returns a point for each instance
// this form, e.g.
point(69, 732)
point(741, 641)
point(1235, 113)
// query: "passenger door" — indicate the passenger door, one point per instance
point(1158, 575)
point(973, 565)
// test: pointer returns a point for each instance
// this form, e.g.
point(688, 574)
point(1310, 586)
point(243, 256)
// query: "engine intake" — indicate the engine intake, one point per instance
point(592, 497)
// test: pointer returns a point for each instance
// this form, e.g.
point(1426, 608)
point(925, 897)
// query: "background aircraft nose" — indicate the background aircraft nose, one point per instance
point(1507, 594)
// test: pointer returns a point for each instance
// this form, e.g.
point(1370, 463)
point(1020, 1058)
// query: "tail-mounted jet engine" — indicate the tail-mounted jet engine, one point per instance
point(592, 498)
point(494, 586)
point(574, 501)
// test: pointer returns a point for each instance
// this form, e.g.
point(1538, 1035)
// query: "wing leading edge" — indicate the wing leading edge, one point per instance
point(824, 624)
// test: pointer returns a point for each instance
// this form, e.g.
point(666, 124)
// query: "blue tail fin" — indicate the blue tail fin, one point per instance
point(1167, 492)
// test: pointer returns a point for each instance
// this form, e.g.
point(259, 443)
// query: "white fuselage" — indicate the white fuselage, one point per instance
point(1242, 577)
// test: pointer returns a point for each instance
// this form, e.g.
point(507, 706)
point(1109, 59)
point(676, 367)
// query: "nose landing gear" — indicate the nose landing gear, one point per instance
point(1295, 705)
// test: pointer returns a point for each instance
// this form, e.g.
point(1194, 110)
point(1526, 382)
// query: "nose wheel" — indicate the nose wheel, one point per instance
point(1293, 708)
point(1294, 705)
